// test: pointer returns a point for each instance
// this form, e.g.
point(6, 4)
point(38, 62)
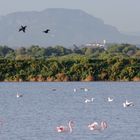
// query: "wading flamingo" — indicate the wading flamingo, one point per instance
point(68, 128)
point(96, 126)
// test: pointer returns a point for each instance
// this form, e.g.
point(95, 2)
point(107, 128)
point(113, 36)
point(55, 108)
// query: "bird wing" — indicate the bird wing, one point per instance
point(19, 29)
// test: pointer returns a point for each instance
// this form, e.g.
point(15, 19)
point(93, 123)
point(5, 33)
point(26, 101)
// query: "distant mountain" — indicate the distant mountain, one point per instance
point(132, 33)
point(67, 27)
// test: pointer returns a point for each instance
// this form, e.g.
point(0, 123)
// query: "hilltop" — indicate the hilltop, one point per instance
point(67, 27)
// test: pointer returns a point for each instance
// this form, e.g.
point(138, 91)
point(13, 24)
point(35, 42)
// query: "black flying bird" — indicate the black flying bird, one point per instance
point(22, 28)
point(46, 31)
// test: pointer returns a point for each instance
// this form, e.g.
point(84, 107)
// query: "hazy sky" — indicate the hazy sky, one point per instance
point(123, 14)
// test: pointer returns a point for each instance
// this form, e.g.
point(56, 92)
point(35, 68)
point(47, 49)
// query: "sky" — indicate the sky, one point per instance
point(123, 14)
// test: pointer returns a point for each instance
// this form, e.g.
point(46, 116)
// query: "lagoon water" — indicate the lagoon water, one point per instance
point(36, 115)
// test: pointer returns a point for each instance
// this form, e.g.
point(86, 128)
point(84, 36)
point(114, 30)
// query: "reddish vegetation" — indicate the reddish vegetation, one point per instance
point(89, 78)
point(136, 79)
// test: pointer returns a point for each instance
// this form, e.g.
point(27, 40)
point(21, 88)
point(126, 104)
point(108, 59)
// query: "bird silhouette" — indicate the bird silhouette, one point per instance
point(46, 31)
point(22, 28)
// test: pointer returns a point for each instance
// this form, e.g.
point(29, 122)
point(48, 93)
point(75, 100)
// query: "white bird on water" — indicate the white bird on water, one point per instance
point(89, 100)
point(19, 95)
point(86, 89)
point(127, 104)
point(74, 90)
point(110, 99)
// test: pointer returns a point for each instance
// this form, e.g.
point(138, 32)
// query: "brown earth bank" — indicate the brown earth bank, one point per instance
point(61, 77)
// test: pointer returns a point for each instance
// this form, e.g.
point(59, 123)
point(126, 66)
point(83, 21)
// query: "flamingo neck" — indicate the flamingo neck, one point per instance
point(70, 127)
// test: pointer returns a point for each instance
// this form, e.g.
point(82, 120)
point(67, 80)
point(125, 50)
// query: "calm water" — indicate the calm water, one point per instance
point(36, 115)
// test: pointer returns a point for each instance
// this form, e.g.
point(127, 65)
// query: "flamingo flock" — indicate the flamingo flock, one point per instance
point(94, 126)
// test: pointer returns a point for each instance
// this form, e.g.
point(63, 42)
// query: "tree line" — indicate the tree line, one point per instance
point(37, 52)
point(119, 62)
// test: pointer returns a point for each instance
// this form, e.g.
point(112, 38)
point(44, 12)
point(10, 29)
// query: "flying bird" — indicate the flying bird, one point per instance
point(22, 28)
point(46, 31)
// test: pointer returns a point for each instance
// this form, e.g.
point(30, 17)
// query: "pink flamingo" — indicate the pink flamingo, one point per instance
point(68, 128)
point(96, 126)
